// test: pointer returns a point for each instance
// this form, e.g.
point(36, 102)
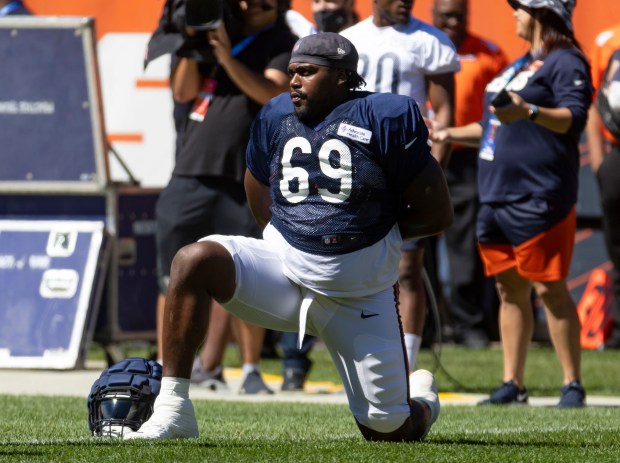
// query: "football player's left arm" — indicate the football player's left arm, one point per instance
point(441, 97)
point(428, 207)
point(259, 199)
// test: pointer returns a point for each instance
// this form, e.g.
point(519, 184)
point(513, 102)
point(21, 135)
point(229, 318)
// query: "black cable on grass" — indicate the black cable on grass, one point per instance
point(433, 308)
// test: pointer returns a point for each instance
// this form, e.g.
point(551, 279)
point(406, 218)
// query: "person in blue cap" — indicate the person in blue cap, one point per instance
point(528, 164)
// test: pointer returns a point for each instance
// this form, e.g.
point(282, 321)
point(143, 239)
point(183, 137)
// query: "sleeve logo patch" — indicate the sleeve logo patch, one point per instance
point(354, 133)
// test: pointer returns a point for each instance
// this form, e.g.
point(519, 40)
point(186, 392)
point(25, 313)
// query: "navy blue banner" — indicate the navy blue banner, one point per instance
point(48, 273)
point(46, 128)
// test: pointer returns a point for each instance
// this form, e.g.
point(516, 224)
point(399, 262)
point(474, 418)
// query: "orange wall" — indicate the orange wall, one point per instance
point(493, 19)
point(110, 15)
point(489, 18)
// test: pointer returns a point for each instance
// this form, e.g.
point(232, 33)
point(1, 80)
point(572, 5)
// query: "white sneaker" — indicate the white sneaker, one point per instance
point(423, 388)
point(173, 418)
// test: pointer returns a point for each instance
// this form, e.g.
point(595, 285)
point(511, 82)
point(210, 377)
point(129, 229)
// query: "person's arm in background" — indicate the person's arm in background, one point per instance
point(441, 97)
point(594, 126)
point(557, 120)
point(428, 207)
point(259, 87)
point(467, 135)
point(594, 134)
point(185, 80)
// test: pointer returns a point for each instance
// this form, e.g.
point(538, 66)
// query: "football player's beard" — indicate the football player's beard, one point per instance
point(312, 112)
point(303, 113)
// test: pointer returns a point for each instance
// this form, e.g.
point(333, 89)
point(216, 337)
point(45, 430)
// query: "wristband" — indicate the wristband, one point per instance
point(532, 113)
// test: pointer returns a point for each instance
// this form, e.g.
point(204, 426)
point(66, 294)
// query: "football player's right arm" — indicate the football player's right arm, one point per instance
point(259, 199)
point(428, 207)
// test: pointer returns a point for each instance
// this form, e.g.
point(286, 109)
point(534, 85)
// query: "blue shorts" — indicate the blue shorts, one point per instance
point(517, 222)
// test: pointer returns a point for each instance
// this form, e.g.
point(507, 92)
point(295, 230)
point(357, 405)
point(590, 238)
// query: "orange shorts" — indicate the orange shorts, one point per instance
point(545, 257)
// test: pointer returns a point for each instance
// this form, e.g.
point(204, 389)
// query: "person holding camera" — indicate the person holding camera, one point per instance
point(528, 165)
point(472, 302)
point(228, 71)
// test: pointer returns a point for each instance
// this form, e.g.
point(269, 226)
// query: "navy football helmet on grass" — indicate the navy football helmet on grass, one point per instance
point(123, 397)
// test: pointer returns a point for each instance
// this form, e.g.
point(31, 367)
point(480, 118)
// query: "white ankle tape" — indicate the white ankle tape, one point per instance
point(175, 386)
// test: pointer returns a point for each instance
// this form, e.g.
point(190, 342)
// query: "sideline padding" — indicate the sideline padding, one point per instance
point(50, 110)
point(49, 276)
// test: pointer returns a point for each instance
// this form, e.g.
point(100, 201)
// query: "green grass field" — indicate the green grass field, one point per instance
point(55, 429)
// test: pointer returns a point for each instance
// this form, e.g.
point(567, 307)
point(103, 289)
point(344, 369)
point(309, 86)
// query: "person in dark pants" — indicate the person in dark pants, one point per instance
point(468, 284)
point(296, 362)
point(205, 194)
point(472, 300)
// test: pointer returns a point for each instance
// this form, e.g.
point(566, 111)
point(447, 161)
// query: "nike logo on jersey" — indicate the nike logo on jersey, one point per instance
point(368, 315)
point(408, 145)
point(354, 133)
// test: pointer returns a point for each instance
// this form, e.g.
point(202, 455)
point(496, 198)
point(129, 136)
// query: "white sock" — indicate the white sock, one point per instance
point(249, 368)
point(413, 342)
point(178, 387)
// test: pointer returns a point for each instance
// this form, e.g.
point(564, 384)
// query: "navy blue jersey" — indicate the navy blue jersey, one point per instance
point(526, 159)
point(338, 186)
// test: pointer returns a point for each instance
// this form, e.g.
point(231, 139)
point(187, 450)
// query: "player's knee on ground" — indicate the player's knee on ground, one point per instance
point(383, 382)
point(412, 429)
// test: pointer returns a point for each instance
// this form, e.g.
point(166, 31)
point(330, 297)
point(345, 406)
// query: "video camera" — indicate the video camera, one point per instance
point(204, 15)
point(201, 15)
